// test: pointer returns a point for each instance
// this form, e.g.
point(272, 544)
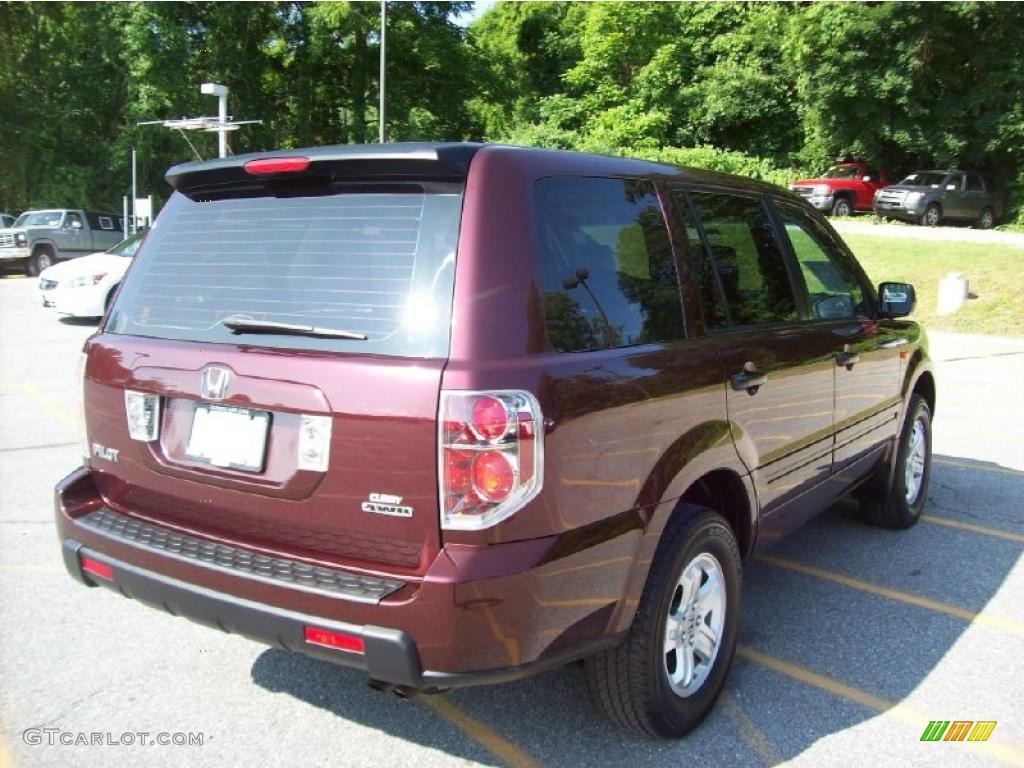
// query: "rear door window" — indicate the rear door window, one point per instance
point(374, 261)
point(608, 270)
point(750, 264)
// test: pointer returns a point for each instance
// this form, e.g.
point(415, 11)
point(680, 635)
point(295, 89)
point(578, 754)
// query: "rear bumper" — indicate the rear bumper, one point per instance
point(447, 631)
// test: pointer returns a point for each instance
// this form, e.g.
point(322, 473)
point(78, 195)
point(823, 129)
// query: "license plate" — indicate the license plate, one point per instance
point(225, 436)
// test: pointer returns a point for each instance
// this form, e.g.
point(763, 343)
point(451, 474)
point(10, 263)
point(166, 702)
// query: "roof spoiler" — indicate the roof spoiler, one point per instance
point(364, 162)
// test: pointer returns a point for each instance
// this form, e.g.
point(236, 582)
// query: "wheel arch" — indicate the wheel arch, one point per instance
point(724, 488)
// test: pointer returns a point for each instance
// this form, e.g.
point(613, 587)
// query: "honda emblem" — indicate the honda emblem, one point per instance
point(213, 384)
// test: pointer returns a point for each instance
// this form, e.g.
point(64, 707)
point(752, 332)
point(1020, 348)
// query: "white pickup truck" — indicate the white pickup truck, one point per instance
point(38, 239)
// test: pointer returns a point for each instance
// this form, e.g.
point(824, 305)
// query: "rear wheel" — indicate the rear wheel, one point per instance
point(38, 261)
point(932, 215)
point(842, 207)
point(901, 506)
point(665, 677)
point(987, 219)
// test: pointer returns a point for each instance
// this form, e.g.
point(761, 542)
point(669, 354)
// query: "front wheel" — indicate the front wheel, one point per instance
point(901, 507)
point(666, 676)
point(932, 215)
point(39, 261)
point(842, 207)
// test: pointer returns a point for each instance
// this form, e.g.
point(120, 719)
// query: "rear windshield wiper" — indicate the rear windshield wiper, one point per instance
point(245, 325)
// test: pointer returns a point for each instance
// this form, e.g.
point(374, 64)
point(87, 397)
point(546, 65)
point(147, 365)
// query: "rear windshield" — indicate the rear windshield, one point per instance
point(373, 261)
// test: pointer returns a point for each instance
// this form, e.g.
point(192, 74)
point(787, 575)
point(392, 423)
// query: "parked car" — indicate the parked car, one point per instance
point(38, 239)
point(844, 188)
point(445, 412)
point(931, 197)
point(84, 287)
point(6, 220)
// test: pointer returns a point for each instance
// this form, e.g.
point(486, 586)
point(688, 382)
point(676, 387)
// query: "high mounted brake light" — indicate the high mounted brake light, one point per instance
point(269, 165)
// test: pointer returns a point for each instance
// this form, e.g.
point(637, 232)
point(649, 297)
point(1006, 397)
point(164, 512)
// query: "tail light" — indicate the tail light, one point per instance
point(265, 165)
point(491, 448)
point(143, 411)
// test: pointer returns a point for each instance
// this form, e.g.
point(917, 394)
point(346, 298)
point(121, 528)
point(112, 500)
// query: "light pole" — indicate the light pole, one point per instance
point(383, 58)
point(221, 92)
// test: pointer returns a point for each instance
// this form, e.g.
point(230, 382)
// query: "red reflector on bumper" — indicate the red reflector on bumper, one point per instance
point(343, 641)
point(97, 568)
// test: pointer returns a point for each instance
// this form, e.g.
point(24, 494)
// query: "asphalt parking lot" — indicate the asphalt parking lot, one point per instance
point(853, 638)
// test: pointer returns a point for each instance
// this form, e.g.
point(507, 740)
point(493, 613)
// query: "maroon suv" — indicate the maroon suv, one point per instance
point(456, 413)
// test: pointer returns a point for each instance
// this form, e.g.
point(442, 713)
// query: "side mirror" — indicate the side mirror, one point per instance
point(866, 179)
point(897, 299)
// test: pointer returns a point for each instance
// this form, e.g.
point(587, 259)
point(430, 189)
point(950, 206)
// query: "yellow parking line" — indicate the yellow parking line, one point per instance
point(6, 761)
point(30, 569)
point(482, 734)
point(50, 406)
point(900, 712)
point(994, 532)
point(978, 468)
point(1006, 625)
point(749, 732)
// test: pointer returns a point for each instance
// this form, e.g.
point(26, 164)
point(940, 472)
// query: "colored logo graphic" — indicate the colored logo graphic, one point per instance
point(958, 730)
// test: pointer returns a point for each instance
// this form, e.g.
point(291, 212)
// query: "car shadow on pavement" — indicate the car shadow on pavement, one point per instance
point(79, 321)
point(819, 601)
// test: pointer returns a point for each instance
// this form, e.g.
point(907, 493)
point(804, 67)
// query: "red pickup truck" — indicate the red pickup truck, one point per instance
point(842, 189)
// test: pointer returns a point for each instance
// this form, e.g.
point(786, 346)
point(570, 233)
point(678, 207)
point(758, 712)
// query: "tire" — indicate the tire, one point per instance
point(631, 683)
point(38, 261)
point(932, 215)
point(901, 507)
point(987, 219)
point(842, 207)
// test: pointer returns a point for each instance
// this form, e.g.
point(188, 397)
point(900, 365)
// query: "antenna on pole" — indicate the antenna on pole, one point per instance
point(383, 59)
point(221, 125)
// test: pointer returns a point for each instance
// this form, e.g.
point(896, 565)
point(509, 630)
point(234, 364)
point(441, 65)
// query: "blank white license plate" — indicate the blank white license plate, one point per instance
point(225, 436)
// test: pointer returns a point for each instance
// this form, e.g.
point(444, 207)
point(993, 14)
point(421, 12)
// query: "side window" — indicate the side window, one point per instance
point(955, 182)
point(607, 268)
point(711, 302)
point(106, 223)
point(73, 221)
point(748, 258)
point(833, 290)
point(974, 183)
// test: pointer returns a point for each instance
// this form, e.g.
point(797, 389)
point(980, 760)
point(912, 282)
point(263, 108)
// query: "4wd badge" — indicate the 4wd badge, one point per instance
point(386, 504)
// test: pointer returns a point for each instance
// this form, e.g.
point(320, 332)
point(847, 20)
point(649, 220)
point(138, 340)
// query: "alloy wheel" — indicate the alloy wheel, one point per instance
point(914, 464)
point(693, 628)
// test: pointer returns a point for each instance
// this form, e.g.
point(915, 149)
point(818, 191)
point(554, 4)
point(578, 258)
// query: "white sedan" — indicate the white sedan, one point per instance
point(83, 287)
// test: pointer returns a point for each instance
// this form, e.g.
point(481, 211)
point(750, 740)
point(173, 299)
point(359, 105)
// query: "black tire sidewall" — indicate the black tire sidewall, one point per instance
point(674, 716)
point(911, 512)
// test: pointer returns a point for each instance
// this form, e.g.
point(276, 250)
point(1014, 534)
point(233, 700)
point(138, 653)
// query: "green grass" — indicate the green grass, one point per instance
point(995, 274)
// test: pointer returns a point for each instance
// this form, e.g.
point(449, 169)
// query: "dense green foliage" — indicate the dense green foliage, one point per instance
point(761, 89)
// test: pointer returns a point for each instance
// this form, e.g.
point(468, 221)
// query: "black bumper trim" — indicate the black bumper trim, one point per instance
point(238, 561)
point(390, 654)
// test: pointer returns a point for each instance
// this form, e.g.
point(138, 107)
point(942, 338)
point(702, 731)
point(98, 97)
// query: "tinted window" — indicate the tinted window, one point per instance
point(374, 263)
point(712, 305)
point(608, 273)
point(832, 287)
point(750, 264)
point(974, 183)
point(956, 181)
